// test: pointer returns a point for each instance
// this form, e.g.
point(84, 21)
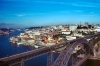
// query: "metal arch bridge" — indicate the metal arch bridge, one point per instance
point(67, 57)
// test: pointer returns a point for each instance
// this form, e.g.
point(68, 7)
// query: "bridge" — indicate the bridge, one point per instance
point(70, 56)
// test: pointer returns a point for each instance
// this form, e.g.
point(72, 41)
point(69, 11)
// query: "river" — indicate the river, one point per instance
point(7, 49)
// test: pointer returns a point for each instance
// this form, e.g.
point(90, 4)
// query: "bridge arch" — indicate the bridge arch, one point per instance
point(64, 57)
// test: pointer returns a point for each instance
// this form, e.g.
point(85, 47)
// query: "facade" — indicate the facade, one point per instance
point(97, 28)
point(82, 29)
point(73, 27)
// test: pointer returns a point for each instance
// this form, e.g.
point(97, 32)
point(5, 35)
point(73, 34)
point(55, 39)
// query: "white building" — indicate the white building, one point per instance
point(65, 31)
point(97, 29)
point(70, 38)
point(61, 27)
point(73, 27)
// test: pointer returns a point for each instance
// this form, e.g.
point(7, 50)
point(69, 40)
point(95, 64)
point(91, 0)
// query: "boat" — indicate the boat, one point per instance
point(19, 43)
point(36, 46)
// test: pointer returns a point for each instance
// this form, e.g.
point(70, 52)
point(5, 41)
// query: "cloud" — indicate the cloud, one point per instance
point(20, 15)
point(78, 11)
point(70, 11)
point(39, 1)
point(83, 5)
point(78, 3)
point(26, 15)
point(64, 12)
point(73, 3)
point(91, 12)
point(50, 2)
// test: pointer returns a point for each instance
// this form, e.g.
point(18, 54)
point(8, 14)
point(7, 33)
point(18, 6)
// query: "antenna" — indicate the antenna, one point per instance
point(80, 23)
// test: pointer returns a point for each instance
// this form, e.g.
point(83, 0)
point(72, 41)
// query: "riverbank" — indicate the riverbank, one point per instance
point(95, 57)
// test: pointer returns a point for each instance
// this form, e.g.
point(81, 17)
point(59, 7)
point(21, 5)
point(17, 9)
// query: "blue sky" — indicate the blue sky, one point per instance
point(49, 12)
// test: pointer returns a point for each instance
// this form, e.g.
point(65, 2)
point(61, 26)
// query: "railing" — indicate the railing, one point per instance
point(81, 61)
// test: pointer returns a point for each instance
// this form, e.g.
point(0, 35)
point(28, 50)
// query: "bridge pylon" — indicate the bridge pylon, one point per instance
point(22, 63)
point(50, 59)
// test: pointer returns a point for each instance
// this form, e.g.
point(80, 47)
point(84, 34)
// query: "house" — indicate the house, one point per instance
point(97, 28)
point(30, 40)
point(73, 27)
point(64, 31)
point(82, 29)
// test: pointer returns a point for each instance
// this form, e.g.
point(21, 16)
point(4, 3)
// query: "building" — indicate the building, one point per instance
point(73, 27)
point(97, 28)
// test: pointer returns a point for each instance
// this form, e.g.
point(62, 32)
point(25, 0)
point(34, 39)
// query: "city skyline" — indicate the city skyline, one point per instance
point(49, 12)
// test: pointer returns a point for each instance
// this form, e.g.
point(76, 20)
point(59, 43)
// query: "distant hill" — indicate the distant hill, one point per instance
point(36, 27)
point(5, 25)
point(4, 29)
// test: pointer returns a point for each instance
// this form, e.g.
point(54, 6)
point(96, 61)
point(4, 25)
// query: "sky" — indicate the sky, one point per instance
point(49, 12)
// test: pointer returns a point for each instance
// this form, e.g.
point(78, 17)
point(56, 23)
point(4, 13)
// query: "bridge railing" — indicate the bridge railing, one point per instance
point(51, 48)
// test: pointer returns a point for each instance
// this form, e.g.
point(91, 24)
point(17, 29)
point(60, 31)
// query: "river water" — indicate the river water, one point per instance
point(7, 49)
